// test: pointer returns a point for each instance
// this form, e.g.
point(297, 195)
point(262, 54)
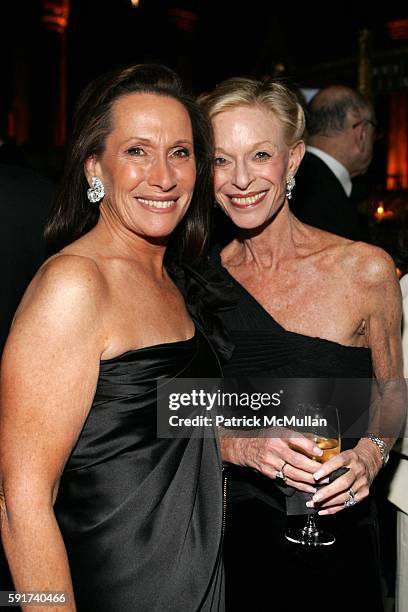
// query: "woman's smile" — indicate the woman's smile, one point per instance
point(158, 205)
point(249, 200)
point(250, 165)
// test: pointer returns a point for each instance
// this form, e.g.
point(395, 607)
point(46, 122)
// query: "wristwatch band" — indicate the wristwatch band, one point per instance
point(385, 453)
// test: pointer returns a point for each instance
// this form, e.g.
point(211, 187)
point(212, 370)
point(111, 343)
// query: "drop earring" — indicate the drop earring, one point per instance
point(97, 191)
point(290, 184)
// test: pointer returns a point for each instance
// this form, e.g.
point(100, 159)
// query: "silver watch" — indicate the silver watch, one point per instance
point(385, 453)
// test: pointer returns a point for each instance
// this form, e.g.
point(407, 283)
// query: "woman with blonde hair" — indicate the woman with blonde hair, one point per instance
point(309, 305)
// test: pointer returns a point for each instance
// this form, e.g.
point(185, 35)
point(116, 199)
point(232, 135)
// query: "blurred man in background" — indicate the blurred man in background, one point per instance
point(341, 132)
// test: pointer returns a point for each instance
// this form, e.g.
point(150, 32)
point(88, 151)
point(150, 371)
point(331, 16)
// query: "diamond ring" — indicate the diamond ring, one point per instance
point(280, 475)
point(351, 500)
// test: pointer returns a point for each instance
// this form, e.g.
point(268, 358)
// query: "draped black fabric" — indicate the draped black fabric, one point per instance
point(141, 517)
point(264, 348)
point(208, 295)
point(263, 570)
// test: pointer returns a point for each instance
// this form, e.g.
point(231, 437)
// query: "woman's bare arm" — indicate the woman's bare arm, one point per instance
point(48, 377)
point(381, 292)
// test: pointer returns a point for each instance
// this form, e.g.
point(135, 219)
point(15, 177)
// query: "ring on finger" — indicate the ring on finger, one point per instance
point(280, 475)
point(351, 500)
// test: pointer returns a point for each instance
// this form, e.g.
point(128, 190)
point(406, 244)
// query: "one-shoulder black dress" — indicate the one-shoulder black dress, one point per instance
point(263, 570)
point(141, 516)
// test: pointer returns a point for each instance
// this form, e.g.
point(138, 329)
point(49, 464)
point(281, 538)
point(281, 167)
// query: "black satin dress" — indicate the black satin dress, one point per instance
point(263, 570)
point(141, 517)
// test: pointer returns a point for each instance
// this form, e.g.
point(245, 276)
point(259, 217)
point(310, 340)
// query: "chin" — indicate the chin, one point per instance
point(155, 232)
point(161, 233)
point(160, 226)
point(248, 220)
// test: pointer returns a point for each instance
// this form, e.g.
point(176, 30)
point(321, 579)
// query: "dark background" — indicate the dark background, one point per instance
point(205, 41)
point(311, 45)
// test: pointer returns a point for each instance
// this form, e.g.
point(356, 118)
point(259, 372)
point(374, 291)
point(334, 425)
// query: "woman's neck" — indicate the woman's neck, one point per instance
point(118, 242)
point(265, 247)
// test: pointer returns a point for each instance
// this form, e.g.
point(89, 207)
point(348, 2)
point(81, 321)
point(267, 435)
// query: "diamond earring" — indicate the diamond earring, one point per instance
point(97, 191)
point(290, 184)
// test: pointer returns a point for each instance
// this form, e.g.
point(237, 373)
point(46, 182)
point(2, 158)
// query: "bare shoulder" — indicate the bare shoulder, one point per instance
point(361, 265)
point(65, 297)
point(356, 258)
point(66, 278)
point(74, 268)
point(359, 260)
point(368, 264)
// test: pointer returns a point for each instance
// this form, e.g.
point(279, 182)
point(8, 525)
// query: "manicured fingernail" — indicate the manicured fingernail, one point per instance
point(317, 498)
point(322, 512)
point(317, 475)
point(311, 489)
point(310, 504)
point(317, 451)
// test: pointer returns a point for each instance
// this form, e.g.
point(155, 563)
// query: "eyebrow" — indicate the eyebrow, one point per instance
point(180, 142)
point(148, 141)
point(257, 145)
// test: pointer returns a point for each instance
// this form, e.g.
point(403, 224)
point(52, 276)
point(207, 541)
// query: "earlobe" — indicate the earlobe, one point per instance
point(363, 137)
point(359, 136)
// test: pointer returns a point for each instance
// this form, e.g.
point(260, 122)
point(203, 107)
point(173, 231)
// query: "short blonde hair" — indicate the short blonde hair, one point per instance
point(270, 95)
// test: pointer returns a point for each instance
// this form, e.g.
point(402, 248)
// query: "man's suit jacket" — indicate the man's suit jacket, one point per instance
point(25, 199)
point(320, 200)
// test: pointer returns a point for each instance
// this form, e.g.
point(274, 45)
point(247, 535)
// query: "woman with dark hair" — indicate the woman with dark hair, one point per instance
point(94, 504)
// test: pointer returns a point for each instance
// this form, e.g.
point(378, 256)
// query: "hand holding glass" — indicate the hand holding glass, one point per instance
point(320, 424)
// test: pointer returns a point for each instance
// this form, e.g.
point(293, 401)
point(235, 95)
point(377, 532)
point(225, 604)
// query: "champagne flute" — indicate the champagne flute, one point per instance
point(319, 423)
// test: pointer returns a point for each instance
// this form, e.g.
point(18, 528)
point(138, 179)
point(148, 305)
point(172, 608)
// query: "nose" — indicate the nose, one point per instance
point(242, 177)
point(161, 174)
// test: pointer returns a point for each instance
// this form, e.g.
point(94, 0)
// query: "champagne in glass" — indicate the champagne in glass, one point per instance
point(329, 446)
point(325, 433)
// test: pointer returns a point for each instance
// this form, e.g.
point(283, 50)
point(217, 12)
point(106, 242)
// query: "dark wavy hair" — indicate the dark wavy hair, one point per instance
point(72, 214)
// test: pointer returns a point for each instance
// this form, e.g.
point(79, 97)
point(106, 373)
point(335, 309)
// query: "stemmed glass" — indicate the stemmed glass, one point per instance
point(320, 423)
